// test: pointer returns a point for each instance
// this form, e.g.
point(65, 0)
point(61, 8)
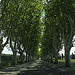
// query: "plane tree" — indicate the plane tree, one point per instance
point(22, 24)
point(65, 15)
point(3, 6)
point(64, 11)
point(52, 39)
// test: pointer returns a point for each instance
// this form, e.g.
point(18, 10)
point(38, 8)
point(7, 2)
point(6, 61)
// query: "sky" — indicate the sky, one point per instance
point(8, 51)
point(71, 51)
point(72, 48)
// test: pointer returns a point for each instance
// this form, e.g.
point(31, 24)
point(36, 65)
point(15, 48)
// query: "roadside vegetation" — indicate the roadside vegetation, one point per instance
point(62, 63)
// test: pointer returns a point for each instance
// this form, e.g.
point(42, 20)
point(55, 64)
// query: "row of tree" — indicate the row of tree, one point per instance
point(21, 24)
point(59, 28)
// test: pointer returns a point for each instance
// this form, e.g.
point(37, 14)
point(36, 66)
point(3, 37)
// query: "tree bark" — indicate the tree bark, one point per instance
point(0, 56)
point(14, 58)
point(22, 57)
point(67, 58)
point(56, 58)
point(51, 58)
point(26, 57)
point(68, 44)
point(14, 52)
point(2, 46)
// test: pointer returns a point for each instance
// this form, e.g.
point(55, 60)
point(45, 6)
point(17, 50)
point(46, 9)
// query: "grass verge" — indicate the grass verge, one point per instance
point(62, 64)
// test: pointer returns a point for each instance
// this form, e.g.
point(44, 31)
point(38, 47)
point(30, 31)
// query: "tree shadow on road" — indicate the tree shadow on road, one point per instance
point(34, 72)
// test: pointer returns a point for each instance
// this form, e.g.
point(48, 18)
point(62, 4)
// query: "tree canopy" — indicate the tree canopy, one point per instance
point(33, 24)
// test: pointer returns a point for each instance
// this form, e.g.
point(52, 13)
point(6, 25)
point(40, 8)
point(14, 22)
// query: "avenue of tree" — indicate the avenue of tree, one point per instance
point(33, 24)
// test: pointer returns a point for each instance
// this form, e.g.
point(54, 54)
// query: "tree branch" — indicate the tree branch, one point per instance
point(6, 42)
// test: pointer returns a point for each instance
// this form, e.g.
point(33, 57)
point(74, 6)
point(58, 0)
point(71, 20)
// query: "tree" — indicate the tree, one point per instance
point(2, 15)
point(65, 20)
point(52, 37)
point(67, 23)
point(22, 24)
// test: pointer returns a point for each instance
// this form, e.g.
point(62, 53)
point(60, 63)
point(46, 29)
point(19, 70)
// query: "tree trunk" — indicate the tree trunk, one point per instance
point(67, 47)
point(33, 58)
point(22, 57)
point(26, 57)
point(30, 58)
point(0, 44)
point(56, 58)
point(51, 58)
point(1, 49)
point(67, 58)
point(62, 56)
point(14, 58)
point(0, 56)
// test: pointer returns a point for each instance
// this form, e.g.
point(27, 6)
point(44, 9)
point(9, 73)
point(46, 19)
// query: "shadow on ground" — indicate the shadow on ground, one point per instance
point(38, 67)
point(45, 72)
point(33, 72)
point(44, 68)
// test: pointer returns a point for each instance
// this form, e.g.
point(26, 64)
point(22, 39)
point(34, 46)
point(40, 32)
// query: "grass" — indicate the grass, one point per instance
point(62, 63)
point(73, 63)
point(6, 61)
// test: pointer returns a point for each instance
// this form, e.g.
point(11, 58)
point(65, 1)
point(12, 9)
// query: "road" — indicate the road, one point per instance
point(38, 67)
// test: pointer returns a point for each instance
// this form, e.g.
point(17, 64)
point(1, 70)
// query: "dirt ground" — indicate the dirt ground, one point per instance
point(38, 67)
